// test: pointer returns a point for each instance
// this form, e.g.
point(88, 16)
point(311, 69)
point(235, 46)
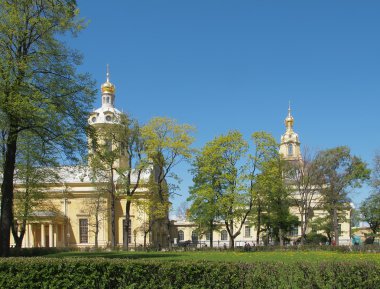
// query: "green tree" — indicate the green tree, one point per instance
point(167, 144)
point(370, 210)
point(302, 177)
point(32, 176)
point(40, 90)
point(276, 215)
point(266, 149)
point(339, 171)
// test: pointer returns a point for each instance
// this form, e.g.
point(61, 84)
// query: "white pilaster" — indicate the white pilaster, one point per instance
point(51, 236)
point(43, 240)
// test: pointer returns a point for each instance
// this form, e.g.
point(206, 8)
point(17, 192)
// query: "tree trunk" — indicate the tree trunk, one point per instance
point(211, 233)
point(127, 221)
point(258, 225)
point(96, 228)
point(6, 218)
point(16, 236)
point(303, 228)
point(335, 224)
point(145, 233)
point(281, 236)
point(230, 231)
point(113, 225)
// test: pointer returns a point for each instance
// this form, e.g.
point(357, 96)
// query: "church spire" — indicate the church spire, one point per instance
point(289, 120)
point(108, 91)
point(290, 145)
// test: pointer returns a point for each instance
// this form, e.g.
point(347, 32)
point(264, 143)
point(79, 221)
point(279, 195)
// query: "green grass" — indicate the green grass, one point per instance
point(228, 256)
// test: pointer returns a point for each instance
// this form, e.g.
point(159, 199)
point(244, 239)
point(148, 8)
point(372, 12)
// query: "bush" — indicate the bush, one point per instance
point(315, 239)
point(42, 272)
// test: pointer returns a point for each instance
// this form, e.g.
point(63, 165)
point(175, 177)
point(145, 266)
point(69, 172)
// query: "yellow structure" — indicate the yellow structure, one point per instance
point(290, 151)
point(67, 217)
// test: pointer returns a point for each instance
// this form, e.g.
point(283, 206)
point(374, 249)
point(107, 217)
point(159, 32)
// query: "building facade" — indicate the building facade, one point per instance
point(72, 207)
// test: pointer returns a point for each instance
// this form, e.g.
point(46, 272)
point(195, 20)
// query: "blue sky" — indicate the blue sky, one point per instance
point(223, 64)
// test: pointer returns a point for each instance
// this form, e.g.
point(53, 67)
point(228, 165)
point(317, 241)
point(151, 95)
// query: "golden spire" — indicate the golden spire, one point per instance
point(289, 120)
point(108, 87)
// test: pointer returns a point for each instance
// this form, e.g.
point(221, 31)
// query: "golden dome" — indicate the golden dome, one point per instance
point(108, 87)
point(289, 120)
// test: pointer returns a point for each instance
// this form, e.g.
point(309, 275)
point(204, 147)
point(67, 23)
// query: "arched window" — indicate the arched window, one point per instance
point(194, 237)
point(223, 235)
point(108, 99)
point(290, 150)
point(181, 236)
point(108, 145)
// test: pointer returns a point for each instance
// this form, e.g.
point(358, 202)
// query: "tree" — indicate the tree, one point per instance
point(266, 149)
point(129, 135)
point(302, 177)
point(167, 144)
point(276, 215)
point(339, 171)
point(370, 210)
point(40, 90)
point(118, 158)
point(32, 174)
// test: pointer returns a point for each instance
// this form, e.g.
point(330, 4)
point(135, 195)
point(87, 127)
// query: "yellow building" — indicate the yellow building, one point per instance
point(67, 216)
point(290, 151)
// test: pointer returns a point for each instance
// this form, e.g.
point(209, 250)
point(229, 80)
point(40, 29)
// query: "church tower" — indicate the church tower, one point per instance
point(290, 145)
point(104, 119)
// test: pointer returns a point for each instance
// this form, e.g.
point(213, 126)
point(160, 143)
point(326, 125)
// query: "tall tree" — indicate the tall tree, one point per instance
point(339, 171)
point(33, 175)
point(167, 144)
point(276, 214)
point(266, 149)
point(130, 138)
point(370, 209)
point(302, 177)
point(40, 90)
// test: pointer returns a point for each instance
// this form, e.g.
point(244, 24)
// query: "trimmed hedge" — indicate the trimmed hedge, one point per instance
point(118, 273)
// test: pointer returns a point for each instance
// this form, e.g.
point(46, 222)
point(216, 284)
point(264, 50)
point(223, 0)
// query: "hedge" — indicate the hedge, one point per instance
point(120, 273)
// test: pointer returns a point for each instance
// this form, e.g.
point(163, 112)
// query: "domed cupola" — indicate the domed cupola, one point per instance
point(290, 144)
point(107, 113)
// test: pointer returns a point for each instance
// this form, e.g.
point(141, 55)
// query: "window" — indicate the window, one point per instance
point(83, 231)
point(123, 149)
point(93, 145)
point(108, 100)
point(194, 237)
point(290, 150)
point(129, 231)
point(181, 236)
point(108, 118)
point(247, 231)
point(108, 145)
point(223, 235)
point(293, 231)
point(340, 233)
point(208, 236)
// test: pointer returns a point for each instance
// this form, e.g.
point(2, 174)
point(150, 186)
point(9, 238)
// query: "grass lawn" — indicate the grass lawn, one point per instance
point(227, 256)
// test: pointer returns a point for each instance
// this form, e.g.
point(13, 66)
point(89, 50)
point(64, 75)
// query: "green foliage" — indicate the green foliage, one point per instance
point(41, 91)
point(101, 273)
point(316, 239)
point(370, 209)
point(339, 171)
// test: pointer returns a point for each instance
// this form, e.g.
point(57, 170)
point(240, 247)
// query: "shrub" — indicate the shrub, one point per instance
point(42, 272)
